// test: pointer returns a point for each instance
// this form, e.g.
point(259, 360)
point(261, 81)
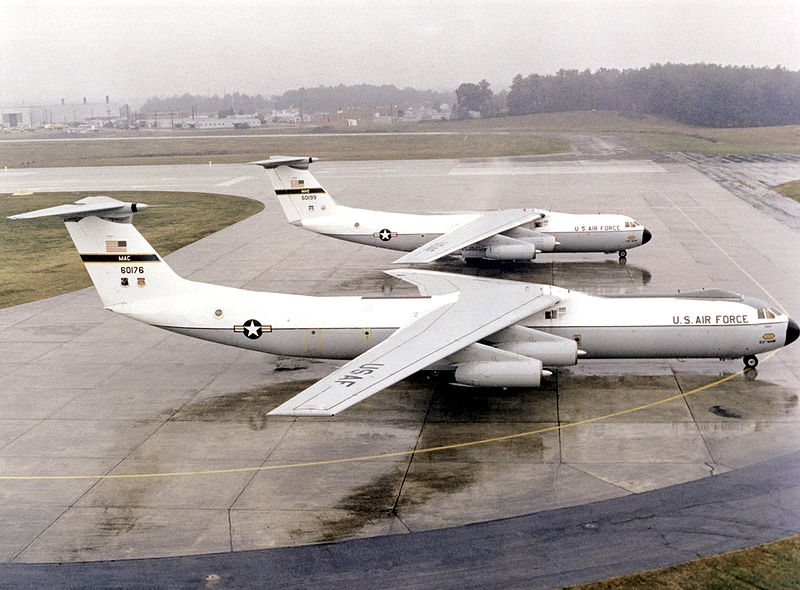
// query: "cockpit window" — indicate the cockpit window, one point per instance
point(631, 224)
point(766, 314)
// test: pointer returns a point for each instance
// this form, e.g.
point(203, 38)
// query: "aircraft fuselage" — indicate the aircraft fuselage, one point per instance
point(604, 327)
point(601, 232)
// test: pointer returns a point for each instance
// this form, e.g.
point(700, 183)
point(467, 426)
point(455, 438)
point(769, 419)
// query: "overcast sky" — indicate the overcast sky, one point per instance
point(134, 49)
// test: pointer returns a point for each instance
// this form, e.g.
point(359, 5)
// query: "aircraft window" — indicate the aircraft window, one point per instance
point(551, 314)
point(766, 314)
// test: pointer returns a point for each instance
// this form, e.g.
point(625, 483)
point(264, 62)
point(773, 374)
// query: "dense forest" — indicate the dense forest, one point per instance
point(235, 103)
point(334, 98)
point(698, 94)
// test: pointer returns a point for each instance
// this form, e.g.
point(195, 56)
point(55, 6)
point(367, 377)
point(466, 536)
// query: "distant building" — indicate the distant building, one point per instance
point(286, 116)
point(235, 122)
point(15, 117)
point(360, 116)
point(51, 114)
point(427, 114)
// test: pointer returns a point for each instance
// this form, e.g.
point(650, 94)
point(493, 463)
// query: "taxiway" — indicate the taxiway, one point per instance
point(129, 442)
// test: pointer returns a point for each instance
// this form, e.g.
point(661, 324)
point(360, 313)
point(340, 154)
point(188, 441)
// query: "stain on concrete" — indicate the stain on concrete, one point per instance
point(724, 412)
point(425, 481)
point(377, 501)
point(246, 407)
point(365, 505)
point(116, 522)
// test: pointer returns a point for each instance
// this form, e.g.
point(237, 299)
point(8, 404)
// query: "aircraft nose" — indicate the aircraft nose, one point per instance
point(646, 236)
point(792, 332)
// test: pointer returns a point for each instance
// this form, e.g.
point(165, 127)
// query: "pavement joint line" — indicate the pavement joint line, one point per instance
point(724, 252)
point(395, 454)
point(413, 452)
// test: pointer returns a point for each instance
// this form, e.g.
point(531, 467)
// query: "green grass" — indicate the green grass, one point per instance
point(654, 132)
point(789, 189)
point(501, 136)
point(41, 261)
point(247, 147)
point(774, 565)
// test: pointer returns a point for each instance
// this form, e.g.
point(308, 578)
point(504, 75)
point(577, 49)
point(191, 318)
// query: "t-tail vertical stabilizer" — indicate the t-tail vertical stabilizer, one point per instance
point(125, 269)
point(300, 194)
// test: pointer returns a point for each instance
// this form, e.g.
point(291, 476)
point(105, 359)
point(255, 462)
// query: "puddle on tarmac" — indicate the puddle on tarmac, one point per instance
point(247, 407)
point(376, 501)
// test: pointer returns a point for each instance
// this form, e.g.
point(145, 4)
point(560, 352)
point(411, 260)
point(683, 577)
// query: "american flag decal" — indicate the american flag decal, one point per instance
point(116, 246)
point(297, 183)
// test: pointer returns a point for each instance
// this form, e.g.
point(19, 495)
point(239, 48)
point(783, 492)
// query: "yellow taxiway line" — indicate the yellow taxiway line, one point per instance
point(389, 455)
point(452, 446)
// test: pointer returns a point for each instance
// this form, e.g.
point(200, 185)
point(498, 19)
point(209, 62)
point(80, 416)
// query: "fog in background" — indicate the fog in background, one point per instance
point(135, 49)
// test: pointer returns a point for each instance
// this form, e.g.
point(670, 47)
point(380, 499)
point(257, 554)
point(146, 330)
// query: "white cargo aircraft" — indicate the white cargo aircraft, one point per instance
point(509, 234)
point(487, 332)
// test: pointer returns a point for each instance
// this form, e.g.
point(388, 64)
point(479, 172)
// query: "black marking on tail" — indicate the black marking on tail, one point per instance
point(119, 257)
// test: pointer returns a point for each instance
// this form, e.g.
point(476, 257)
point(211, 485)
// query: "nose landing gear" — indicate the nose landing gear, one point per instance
point(623, 254)
point(750, 361)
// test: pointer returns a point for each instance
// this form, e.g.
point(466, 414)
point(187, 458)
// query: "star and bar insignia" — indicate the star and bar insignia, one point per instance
point(385, 235)
point(252, 329)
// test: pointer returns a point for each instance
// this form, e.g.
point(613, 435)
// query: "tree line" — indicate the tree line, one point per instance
point(698, 94)
point(335, 98)
point(311, 100)
point(193, 104)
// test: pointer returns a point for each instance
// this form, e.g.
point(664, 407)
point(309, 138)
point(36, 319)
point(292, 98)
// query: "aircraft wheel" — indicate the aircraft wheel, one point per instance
point(623, 254)
point(750, 361)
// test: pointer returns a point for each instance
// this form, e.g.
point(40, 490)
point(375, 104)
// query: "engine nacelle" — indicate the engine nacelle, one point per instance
point(544, 242)
point(552, 353)
point(526, 373)
point(521, 251)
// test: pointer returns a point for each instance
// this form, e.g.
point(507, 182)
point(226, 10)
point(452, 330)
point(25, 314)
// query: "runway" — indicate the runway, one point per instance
point(89, 394)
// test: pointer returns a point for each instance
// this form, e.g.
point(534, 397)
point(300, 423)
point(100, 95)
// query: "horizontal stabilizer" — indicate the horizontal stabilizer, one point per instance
point(100, 206)
point(301, 163)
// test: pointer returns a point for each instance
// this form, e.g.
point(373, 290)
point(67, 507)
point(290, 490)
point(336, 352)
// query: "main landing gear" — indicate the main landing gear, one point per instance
point(750, 361)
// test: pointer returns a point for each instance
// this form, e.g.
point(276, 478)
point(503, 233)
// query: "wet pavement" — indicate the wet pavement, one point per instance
point(86, 393)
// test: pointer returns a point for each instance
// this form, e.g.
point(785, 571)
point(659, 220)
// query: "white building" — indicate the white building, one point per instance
point(235, 122)
point(27, 116)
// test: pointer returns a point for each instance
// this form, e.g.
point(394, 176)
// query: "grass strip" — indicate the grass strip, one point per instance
point(40, 259)
point(774, 565)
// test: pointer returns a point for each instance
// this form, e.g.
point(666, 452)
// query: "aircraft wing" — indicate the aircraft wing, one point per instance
point(485, 226)
point(477, 308)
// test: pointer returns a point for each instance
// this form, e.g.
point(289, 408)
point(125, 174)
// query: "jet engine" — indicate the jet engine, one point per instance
point(522, 373)
point(559, 352)
point(520, 251)
point(543, 242)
